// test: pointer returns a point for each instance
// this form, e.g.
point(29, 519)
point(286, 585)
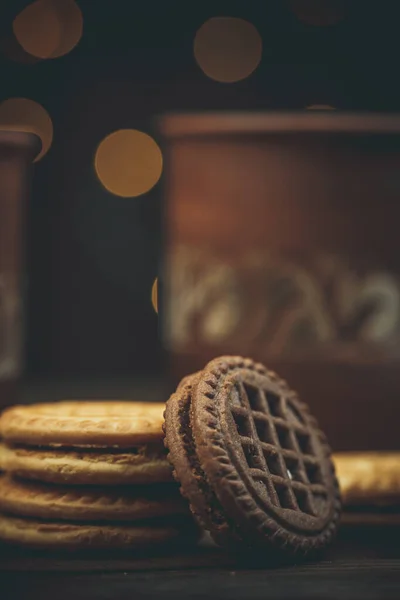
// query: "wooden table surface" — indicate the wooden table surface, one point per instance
point(363, 564)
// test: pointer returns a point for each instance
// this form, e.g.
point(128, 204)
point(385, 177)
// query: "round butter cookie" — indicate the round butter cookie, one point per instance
point(369, 478)
point(80, 503)
point(141, 465)
point(76, 536)
point(83, 423)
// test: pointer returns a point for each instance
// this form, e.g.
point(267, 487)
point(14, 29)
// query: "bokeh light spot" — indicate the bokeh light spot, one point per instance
point(128, 162)
point(71, 21)
point(319, 13)
point(38, 29)
point(22, 114)
point(49, 28)
point(227, 49)
point(154, 295)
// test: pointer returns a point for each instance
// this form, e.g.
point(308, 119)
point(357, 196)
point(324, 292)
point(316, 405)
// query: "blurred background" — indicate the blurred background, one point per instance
point(89, 77)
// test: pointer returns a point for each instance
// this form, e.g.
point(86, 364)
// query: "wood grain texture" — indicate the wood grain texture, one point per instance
point(363, 564)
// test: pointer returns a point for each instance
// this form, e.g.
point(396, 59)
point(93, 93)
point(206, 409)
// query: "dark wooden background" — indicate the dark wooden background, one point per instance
point(92, 257)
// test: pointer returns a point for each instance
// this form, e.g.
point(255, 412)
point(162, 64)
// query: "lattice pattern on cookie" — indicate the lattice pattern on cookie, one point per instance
point(278, 449)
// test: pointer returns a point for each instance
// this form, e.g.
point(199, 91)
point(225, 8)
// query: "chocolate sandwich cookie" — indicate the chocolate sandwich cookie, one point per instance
point(251, 459)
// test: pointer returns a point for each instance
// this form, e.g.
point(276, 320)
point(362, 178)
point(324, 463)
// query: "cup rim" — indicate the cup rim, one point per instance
point(186, 124)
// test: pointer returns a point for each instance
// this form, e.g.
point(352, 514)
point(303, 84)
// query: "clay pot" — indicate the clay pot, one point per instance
point(282, 244)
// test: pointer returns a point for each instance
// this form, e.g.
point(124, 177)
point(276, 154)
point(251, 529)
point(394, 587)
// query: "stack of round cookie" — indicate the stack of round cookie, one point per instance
point(88, 474)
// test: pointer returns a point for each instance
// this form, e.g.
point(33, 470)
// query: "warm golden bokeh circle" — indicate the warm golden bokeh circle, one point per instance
point(71, 20)
point(22, 114)
point(37, 28)
point(128, 162)
point(154, 295)
point(49, 28)
point(227, 49)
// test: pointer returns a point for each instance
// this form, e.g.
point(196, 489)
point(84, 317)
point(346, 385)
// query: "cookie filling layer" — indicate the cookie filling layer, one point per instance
point(214, 511)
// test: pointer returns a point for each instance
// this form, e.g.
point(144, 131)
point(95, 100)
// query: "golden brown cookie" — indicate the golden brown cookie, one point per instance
point(83, 423)
point(74, 536)
point(369, 478)
point(82, 503)
point(141, 465)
